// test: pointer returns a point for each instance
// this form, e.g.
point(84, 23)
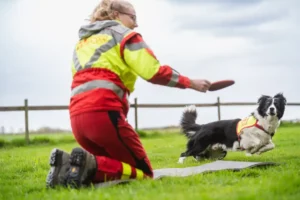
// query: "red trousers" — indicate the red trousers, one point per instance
point(117, 147)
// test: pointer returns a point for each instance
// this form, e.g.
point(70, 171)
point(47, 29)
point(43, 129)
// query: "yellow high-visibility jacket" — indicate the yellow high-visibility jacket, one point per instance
point(107, 60)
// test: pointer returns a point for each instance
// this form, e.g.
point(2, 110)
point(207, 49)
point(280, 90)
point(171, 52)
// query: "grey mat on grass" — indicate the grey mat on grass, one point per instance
point(188, 171)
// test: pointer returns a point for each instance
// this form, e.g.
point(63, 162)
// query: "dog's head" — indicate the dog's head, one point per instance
point(272, 106)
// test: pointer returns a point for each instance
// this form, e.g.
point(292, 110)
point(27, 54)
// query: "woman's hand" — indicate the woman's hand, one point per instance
point(200, 85)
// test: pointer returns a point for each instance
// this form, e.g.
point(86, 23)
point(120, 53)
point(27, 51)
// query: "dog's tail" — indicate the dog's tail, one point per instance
point(188, 121)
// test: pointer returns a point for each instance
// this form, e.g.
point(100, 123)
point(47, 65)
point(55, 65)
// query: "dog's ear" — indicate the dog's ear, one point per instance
point(261, 105)
point(281, 97)
point(262, 98)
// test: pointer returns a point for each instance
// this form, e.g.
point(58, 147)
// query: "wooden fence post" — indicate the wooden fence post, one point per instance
point(219, 108)
point(26, 121)
point(136, 113)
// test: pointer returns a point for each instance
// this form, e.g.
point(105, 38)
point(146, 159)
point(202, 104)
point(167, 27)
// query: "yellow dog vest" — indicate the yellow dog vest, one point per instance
point(246, 123)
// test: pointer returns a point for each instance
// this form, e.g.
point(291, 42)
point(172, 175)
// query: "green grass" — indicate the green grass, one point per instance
point(18, 140)
point(10, 137)
point(23, 171)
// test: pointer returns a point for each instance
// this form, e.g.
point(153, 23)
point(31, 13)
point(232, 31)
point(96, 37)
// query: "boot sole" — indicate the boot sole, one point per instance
point(55, 162)
point(77, 161)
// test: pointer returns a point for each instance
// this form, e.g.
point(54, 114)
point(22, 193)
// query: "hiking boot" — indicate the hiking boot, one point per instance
point(59, 163)
point(83, 168)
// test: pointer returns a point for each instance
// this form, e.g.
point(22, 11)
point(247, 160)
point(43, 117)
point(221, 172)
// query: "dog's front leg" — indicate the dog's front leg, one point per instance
point(266, 148)
point(255, 149)
point(252, 148)
point(248, 153)
point(182, 157)
point(251, 151)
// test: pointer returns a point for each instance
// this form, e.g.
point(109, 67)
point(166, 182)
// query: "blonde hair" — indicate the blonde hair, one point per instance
point(104, 10)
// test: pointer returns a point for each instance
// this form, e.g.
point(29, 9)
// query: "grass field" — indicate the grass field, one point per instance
point(23, 171)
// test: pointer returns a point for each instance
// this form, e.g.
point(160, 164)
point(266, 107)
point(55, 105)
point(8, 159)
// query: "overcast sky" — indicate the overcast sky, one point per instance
point(254, 42)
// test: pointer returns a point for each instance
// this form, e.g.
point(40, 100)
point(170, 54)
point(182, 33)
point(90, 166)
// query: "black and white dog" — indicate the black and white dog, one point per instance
point(252, 134)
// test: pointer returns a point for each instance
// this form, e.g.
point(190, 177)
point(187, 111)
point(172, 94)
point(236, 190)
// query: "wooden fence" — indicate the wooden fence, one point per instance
point(135, 105)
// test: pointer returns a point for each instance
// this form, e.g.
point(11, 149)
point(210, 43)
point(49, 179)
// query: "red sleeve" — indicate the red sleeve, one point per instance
point(169, 77)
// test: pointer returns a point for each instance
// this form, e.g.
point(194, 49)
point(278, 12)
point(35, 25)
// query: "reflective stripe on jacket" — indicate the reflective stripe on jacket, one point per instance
point(108, 58)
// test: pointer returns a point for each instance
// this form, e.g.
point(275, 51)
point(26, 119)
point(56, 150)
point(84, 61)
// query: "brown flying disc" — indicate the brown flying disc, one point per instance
point(220, 84)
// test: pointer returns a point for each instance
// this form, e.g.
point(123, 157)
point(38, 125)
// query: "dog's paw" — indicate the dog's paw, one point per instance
point(217, 154)
point(248, 154)
point(219, 146)
point(181, 160)
point(224, 147)
point(197, 158)
point(214, 147)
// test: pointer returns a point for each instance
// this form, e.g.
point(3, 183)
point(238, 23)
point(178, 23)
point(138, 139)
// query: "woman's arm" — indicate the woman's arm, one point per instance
point(140, 58)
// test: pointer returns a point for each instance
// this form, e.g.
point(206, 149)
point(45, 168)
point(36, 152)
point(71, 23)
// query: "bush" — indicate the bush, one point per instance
point(37, 140)
point(149, 134)
point(66, 139)
point(41, 140)
point(2, 143)
point(62, 139)
point(17, 142)
point(142, 133)
point(289, 124)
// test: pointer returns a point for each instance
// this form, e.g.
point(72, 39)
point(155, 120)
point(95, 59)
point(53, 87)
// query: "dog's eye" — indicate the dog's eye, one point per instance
point(269, 101)
point(276, 102)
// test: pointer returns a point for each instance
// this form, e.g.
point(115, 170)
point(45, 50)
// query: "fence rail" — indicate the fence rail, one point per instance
point(26, 108)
